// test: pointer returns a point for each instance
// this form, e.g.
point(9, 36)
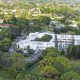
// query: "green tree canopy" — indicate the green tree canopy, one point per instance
point(70, 76)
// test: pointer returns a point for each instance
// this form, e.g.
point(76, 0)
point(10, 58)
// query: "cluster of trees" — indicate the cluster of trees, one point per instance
point(6, 37)
point(67, 30)
point(12, 64)
point(51, 66)
point(56, 66)
point(44, 38)
point(23, 17)
point(5, 44)
point(73, 52)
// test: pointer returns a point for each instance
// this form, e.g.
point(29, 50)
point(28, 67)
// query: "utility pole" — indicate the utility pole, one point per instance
point(72, 41)
point(73, 46)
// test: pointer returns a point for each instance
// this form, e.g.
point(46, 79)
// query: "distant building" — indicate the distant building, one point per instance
point(60, 26)
point(1, 21)
point(71, 21)
point(35, 11)
point(56, 24)
point(73, 26)
point(13, 11)
point(53, 23)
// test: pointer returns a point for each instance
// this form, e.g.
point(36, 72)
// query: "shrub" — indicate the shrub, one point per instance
point(70, 76)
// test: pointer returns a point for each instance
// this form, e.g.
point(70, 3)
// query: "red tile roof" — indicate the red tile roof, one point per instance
point(6, 25)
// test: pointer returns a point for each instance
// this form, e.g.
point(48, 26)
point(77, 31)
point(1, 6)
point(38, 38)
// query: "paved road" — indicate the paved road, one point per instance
point(34, 57)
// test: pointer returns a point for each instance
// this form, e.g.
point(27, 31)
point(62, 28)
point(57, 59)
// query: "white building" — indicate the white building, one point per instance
point(74, 26)
point(56, 24)
point(1, 21)
point(29, 41)
point(35, 45)
point(62, 40)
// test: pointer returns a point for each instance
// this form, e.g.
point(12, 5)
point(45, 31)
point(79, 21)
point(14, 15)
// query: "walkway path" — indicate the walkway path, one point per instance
point(34, 57)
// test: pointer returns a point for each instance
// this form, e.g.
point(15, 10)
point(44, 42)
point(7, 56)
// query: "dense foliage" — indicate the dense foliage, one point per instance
point(30, 17)
point(45, 38)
